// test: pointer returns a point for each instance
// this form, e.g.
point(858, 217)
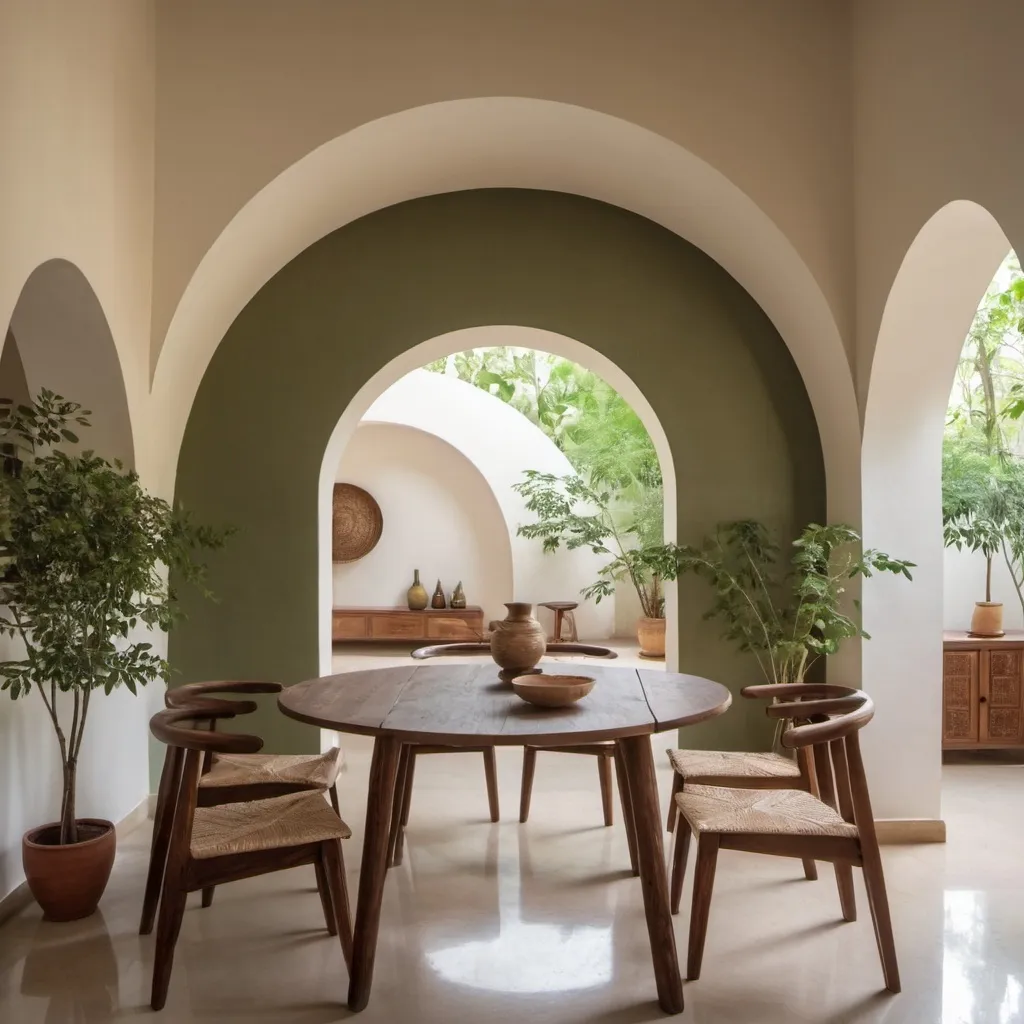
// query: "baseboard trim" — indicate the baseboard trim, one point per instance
point(20, 896)
point(896, 831)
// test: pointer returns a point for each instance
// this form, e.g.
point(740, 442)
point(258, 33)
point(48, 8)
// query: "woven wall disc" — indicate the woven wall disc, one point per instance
point(357, 523)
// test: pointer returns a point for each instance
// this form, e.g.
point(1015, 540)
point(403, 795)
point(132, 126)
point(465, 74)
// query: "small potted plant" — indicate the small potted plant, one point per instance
point(786, 616)
point(983, 511)
point(84, 557)
point(573, 512)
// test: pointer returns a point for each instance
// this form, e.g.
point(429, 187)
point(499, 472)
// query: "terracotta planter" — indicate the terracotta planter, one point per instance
point(517, 641)
point(987, 619)
point(651, 635)
point(68, 881)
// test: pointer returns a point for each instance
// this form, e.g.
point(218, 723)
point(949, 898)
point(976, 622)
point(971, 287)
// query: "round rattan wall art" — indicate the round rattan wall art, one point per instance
point(357, 523)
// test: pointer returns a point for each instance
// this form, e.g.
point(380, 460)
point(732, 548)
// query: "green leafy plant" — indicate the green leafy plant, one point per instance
point(983, 505)
point(786, 615)
point(84, 560)
point(571, 511)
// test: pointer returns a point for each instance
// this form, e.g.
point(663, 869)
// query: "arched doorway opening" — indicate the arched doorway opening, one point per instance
point(926, 318)
point(480, 452)
point(58, 338)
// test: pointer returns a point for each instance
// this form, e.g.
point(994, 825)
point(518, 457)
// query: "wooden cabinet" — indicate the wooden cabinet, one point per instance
point(399, 625)
point(982, 691)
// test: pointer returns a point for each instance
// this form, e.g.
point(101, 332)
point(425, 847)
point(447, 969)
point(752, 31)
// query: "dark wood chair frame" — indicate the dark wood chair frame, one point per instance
point(206, 710)
point(827, 727)
point(807, 780)
point(184, 874)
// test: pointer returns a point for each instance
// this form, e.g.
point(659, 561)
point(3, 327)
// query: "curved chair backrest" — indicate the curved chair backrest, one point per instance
point(828, 720)
point(198, 694)
point(166, 726)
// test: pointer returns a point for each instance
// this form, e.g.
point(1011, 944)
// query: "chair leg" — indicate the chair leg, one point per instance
point(172, 909)
point(323, 887)
point(703, 883)
point(491, 772)
point(399, 807)
point(558, 626)
point(604, 771)
point(333, 793)
point(627, 810)
point(160, 843)
point(810, 869)
point(847, 898)
point(878, 902)
point(677, 787)
point(680, 855)
point(208, 896)
point(529, 765)
point(334, 875)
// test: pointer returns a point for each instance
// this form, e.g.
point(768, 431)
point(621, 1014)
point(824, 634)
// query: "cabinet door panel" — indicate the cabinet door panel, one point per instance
point(960, 719)
point(1001, 711)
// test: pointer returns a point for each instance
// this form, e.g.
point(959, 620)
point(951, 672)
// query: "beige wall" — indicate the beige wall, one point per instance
point(761, 91)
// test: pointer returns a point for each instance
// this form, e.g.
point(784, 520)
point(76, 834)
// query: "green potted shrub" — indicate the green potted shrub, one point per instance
point(786, 615)
point(983, 510)
point(571, 511)
point(84, 558)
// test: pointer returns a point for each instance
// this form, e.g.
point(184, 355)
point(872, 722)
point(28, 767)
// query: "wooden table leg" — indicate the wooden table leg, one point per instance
point(643, 791)
point(383, 774)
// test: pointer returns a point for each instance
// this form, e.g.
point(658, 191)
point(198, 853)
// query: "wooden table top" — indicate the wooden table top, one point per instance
point(467, 704)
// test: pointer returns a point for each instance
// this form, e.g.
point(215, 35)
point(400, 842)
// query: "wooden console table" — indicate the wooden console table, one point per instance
point(398, 625)
point(982, 691)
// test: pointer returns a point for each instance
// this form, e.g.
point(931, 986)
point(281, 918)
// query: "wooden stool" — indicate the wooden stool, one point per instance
point(563, 610)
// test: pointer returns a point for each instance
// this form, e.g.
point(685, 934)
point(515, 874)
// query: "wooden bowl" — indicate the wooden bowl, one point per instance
point(551, 691)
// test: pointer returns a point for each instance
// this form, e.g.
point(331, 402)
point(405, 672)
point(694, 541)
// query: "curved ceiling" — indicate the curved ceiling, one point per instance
point(509, 142)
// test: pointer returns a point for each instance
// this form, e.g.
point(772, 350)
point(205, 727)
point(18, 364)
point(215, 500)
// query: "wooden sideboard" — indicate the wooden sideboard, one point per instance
point(982, 691)
point(399, 625)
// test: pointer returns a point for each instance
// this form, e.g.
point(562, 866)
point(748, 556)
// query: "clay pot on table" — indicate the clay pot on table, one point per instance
point(518, 641)
point(68, 881)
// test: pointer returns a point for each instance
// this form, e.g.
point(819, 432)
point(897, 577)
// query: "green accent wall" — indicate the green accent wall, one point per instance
point(714, 369)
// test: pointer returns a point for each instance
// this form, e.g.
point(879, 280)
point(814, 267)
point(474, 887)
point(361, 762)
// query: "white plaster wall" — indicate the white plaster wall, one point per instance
point(502, 443)
point(440, 517)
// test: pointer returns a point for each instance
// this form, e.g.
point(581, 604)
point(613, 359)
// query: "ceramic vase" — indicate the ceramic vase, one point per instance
point(417, 595)
point(438, 600)
point(458, 597)
point(517, 641)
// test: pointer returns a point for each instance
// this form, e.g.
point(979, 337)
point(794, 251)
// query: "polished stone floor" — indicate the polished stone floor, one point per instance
point(542, 923)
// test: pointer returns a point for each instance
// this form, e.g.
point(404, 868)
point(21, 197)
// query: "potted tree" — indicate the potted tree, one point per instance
point(571, 511)
point(84, 557)
point(983, 510)
point(786, 616)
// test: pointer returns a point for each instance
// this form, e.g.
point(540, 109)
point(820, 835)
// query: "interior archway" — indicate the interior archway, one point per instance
point(928, 313)
point(482, 337)
point(299, 353)
point(59, 338)
point(510, 142)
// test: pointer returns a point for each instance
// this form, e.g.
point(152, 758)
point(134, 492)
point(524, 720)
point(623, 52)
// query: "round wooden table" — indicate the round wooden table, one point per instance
point(467, 705)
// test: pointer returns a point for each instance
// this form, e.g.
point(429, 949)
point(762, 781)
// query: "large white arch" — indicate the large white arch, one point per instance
point(508, 142)
point(926, 318)
point(459, 341)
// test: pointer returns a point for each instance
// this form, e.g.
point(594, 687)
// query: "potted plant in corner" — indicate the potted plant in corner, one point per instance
point(573, 512)
point(787, 617)
point(84, 555)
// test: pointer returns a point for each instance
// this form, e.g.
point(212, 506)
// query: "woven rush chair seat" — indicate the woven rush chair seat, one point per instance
point(309, 772)
point(790, 812)
point(272, 824)
point(693, 764)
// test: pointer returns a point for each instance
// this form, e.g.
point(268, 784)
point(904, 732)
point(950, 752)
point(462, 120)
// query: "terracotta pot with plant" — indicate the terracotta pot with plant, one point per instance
point(571, 511)
point(84, 556)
